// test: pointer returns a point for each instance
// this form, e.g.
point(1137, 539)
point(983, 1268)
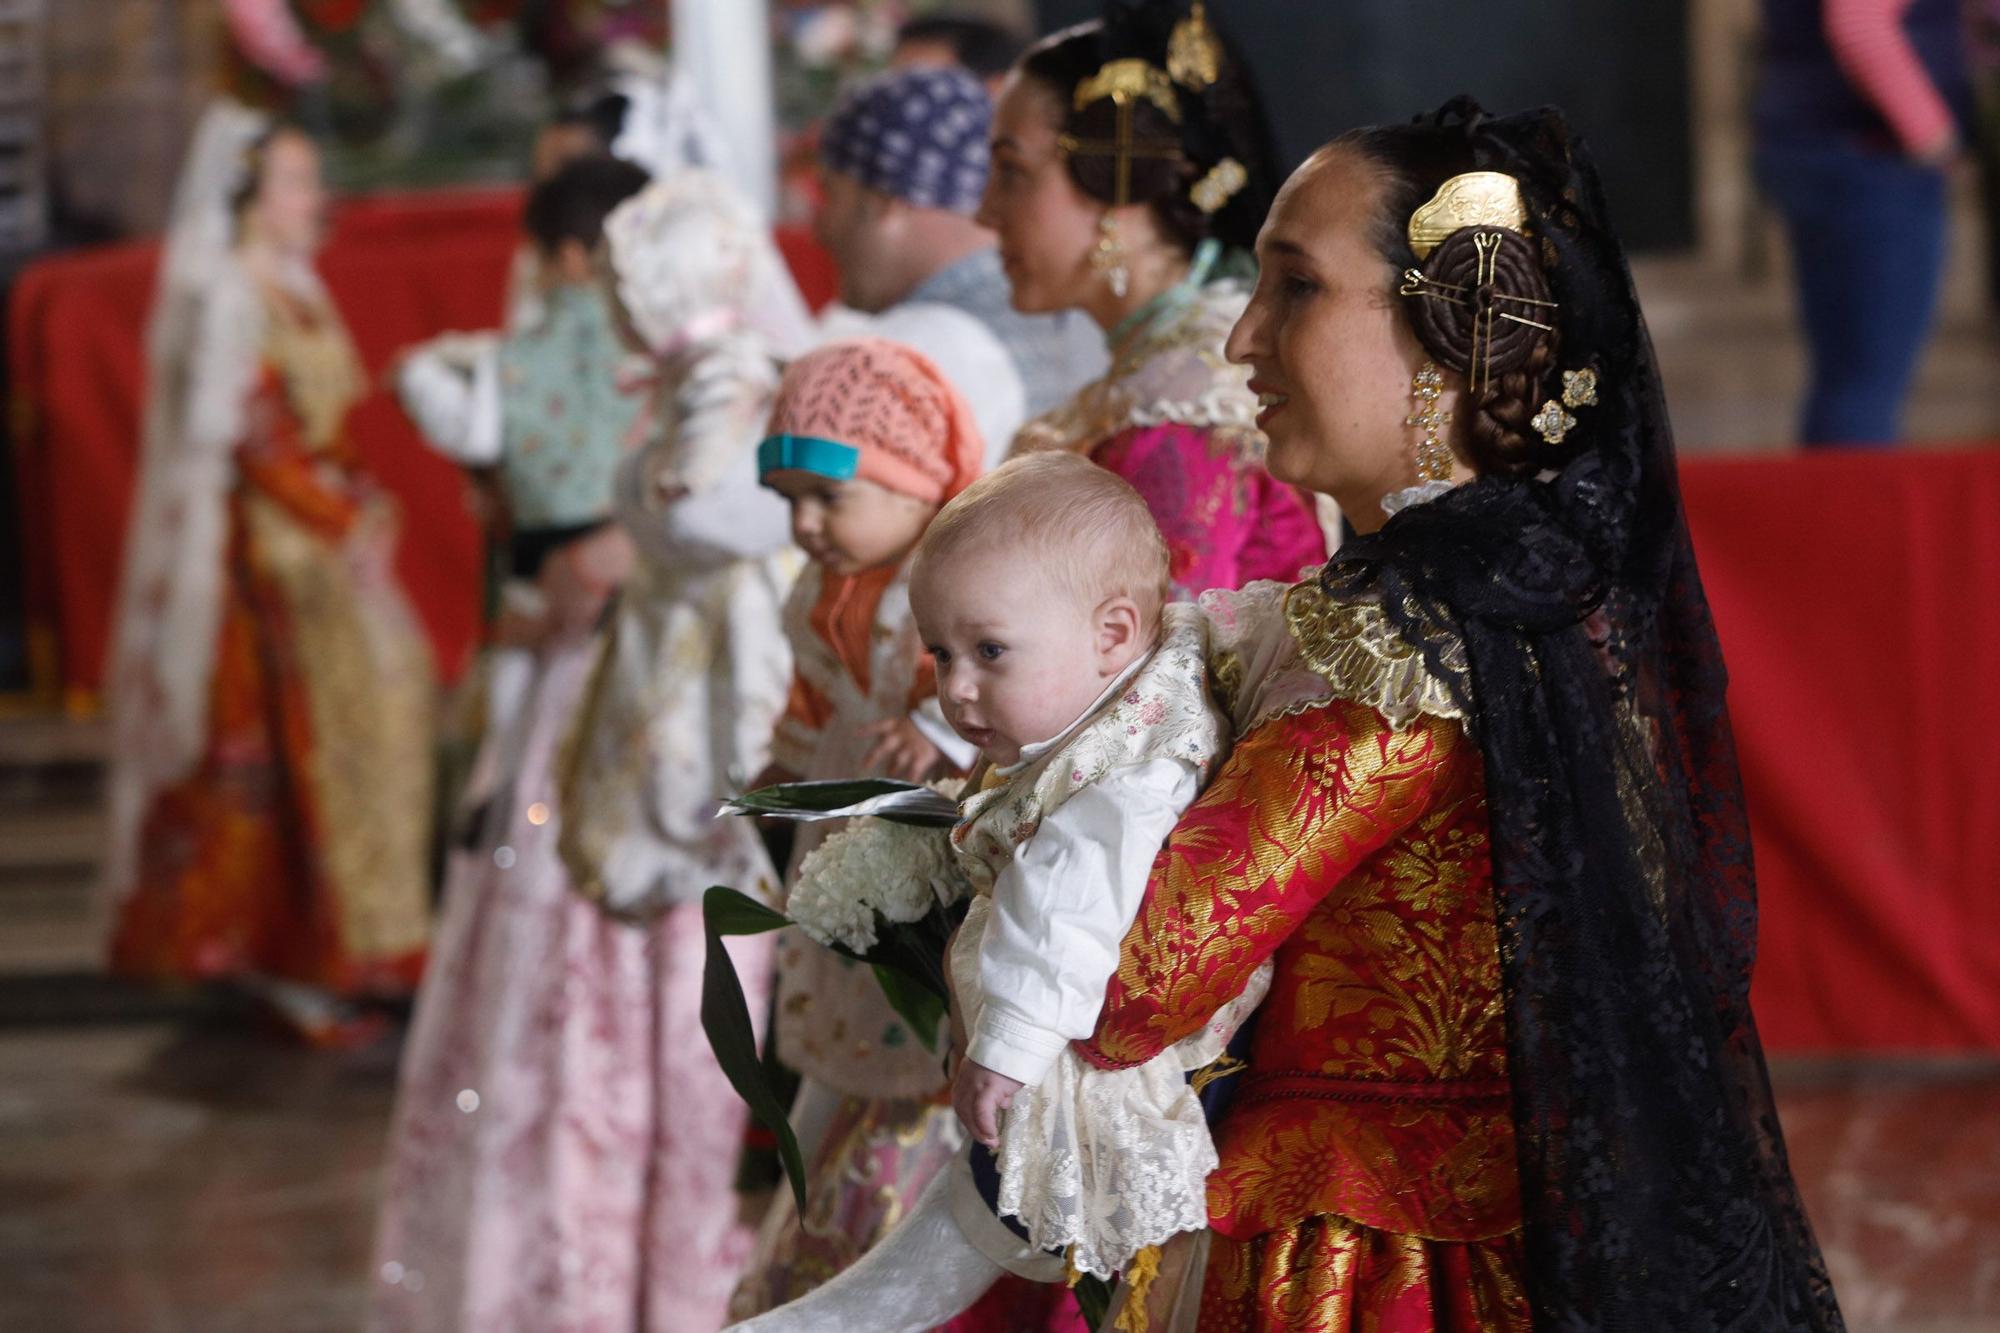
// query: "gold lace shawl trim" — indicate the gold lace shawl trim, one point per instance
point(1361, 656)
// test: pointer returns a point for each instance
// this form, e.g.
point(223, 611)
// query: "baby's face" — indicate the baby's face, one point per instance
point(1018, 657)
point(849, 526)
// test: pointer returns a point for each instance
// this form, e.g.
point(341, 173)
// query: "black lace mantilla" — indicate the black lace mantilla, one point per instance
point(1654, 1179)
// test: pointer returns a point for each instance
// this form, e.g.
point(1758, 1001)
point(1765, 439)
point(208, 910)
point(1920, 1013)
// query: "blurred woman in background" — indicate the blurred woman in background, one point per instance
point(270, 690)
point(1131, 168)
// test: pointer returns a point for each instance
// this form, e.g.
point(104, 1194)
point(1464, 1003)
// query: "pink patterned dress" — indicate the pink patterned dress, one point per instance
point(564, 1153)
point(1175, 419)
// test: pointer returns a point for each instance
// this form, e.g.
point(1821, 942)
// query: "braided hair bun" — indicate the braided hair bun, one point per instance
point(1456, 312)
point(1476, 306)
point(1224, 120)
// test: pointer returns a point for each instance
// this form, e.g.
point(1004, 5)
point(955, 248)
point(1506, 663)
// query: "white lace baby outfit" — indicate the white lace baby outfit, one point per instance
point(1101, 1163)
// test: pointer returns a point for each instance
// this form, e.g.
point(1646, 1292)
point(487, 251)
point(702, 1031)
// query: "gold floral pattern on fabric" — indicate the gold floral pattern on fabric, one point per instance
point(1412, 1158)
point(323, 378)
point(1302, 801)
point(1352, 644)
point(364, 678)
point(1329, 1275)
point(1355, 855)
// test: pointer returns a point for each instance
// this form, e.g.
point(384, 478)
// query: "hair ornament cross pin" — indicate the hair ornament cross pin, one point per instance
point(1481, 303)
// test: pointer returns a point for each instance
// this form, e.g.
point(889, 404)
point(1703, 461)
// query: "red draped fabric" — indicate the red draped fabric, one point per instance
point(1858, 598)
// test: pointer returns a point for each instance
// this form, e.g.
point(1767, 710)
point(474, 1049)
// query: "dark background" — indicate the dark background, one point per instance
point(1619, 70)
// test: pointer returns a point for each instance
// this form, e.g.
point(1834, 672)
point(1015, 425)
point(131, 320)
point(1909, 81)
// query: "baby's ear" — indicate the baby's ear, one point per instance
point(1118, 628)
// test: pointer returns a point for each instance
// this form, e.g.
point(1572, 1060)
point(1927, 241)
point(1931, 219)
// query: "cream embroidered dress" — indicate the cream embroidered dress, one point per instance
point(694, 669)
point(1100, 1163)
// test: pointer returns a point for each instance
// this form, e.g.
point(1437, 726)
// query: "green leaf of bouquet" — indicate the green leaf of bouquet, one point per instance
point(733, 912)
point(1093, 1300)
point(725, 1017)
point(914, 1002)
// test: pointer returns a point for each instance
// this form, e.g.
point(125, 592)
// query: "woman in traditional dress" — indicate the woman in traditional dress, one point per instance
point(1484, 813)
point(1131, 167)
point(565, 1146)
point(271, 692)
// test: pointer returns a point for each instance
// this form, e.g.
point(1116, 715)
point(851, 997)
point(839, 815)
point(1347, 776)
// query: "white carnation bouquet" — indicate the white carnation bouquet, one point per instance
point(874, 872)
point(886, 890)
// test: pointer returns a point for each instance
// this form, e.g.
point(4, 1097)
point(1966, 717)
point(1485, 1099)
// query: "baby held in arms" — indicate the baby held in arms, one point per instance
point(1040, 593)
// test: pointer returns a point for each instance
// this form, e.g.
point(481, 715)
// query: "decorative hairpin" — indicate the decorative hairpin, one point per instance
point(1220, 185)
point(1481, 284)
point(1194, 62)
point(1126, 81)
point(1194, 53)
point(1579, 390)
point(1474, 199)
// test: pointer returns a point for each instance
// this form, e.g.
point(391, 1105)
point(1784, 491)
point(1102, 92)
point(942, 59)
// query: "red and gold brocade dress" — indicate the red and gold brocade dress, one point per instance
point(1367, 1177)
point(295, 845)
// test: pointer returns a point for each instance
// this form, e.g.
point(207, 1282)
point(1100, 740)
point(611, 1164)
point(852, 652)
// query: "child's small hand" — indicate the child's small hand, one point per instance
point(979, 1096)
point(900, 750)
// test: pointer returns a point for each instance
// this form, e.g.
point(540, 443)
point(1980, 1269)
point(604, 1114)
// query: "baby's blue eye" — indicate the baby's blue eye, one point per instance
point(940, 655)
point(990, 651)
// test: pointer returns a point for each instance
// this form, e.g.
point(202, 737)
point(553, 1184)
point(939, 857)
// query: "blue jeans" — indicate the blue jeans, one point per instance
point(1867, 232)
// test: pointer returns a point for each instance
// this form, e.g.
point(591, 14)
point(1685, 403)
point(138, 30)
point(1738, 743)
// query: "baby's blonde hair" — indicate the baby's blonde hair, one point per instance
point(1086, 525)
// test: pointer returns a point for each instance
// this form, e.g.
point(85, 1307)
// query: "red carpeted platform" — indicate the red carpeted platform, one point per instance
point(1858, 598)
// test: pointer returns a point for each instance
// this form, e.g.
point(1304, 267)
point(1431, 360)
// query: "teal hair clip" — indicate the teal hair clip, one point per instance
point(808, 453)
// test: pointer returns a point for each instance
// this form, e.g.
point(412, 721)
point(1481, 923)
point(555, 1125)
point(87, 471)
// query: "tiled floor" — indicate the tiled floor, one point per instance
point(167, 1178)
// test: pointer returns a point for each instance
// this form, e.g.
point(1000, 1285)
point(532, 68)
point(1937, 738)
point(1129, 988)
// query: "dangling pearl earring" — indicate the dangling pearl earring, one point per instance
point(1109, 257)
point(1433, 460)
point(1433, 454)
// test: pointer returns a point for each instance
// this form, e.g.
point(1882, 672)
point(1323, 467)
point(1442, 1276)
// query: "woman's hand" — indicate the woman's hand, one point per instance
point(901, 751)
point(979, 1096)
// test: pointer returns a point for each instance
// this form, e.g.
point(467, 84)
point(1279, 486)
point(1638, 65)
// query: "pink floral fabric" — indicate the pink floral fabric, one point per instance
point(1227, 521)
point(564, 1148)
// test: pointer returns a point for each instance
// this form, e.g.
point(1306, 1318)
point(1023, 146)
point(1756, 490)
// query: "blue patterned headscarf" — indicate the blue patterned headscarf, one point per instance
point(916, 134)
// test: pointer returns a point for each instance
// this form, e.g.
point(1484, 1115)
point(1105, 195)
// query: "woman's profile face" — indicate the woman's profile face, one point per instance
point(1047, 226)
point(1330, 350)
point(288, 212)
